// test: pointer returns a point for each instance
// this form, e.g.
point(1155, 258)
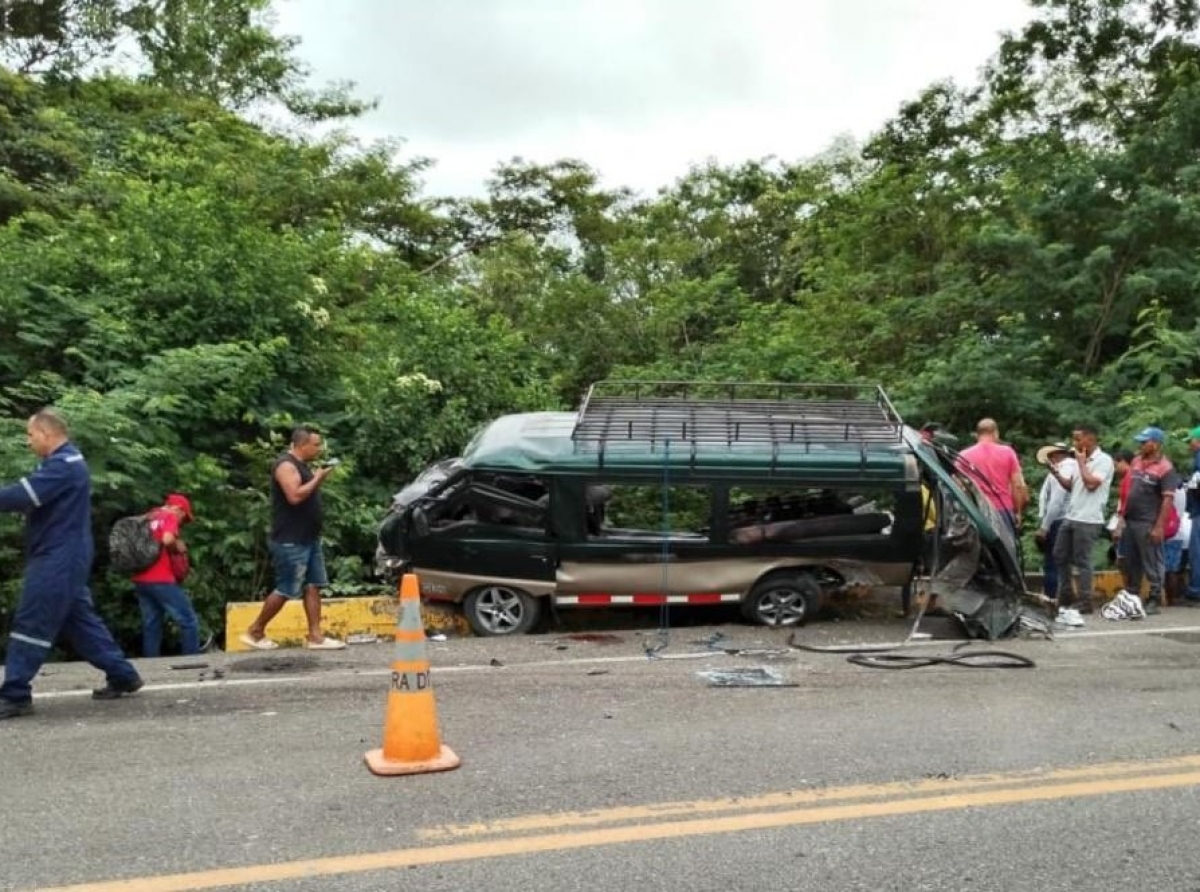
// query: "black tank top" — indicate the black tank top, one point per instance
point(297, 524)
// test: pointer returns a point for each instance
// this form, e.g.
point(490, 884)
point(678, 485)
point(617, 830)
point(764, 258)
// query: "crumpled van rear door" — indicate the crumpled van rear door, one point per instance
point(977, 569)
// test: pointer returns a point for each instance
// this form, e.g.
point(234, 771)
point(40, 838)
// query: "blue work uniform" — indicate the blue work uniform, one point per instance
point(55, 599)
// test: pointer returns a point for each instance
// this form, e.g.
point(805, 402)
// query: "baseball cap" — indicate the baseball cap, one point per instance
point(180, 501)
point(1194, 433)
point(1151, 433)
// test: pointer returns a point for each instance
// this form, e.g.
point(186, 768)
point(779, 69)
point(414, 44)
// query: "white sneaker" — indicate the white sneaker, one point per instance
point(1070, 617)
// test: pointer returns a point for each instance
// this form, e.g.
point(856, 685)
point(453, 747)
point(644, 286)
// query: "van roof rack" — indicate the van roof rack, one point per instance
point(731, 413)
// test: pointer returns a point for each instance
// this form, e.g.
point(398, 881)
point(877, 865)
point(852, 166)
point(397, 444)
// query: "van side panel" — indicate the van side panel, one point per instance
point(711, 575)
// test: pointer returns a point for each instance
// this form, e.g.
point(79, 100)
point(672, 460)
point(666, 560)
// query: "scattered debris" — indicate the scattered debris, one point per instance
point(596, 637)
point(496, 662)
point(189, 665)
point(756, 677)
point(597, 672)
point(560, 647)
point(362, 638)
point(437, 636)
point(763, 652)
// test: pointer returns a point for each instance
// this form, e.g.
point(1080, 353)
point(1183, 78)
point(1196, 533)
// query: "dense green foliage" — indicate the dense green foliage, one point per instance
point(186, 283)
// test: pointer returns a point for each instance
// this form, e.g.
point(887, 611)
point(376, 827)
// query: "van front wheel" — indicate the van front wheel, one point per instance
point(783, 599)
point(501, 610)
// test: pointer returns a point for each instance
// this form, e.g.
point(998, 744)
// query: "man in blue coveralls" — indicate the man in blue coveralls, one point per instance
point(55, 600)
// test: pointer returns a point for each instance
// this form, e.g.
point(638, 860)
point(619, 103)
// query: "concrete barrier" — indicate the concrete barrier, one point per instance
point(354, 620)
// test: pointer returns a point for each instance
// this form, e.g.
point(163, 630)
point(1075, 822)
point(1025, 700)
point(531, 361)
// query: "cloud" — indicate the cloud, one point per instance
point(640, 89)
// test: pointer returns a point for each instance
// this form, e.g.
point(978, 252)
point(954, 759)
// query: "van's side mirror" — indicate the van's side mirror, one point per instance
point(418, 522)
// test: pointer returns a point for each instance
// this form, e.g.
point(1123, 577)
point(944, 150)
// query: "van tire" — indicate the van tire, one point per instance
point(495, 610)
point(783, 599)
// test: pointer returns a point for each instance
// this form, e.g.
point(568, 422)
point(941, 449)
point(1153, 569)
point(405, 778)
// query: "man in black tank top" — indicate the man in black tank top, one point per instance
point(296, 542)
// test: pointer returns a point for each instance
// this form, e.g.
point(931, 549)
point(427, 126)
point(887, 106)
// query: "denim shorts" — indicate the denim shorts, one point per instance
point(296, 567)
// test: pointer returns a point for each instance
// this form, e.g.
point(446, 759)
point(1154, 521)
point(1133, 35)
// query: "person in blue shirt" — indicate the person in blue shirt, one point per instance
point(55, 599)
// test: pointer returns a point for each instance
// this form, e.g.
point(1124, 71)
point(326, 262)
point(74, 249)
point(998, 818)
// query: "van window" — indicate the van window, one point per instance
point(617, 510)
point(520, 501)
point(788, 514)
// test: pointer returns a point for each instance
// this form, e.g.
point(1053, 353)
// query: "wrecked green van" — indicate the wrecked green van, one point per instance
point(768, 496)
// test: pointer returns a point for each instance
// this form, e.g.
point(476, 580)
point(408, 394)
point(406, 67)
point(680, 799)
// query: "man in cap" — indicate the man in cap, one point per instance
point(1193, 510)
point(935, 432)
point(158, 588)
point(55, 600)
point(1052, 508)
point(1152, 486)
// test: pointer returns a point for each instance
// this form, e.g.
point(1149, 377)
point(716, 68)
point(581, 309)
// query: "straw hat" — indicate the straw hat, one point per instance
point(1043, 454)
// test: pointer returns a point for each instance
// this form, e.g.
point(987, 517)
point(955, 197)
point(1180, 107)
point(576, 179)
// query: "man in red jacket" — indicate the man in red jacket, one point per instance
point(158, 588)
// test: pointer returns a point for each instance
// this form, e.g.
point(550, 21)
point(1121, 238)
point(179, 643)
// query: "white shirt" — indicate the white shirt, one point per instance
point(1087, 505)
point(1053, 499)
point(1185, 522)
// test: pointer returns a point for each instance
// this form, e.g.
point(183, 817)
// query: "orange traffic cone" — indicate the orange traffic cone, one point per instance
point(411, 743)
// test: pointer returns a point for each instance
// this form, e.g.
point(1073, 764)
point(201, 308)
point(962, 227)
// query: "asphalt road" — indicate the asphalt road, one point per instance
point(587, 765)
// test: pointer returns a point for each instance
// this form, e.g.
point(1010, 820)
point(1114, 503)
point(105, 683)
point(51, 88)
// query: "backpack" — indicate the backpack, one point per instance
point(132, 548)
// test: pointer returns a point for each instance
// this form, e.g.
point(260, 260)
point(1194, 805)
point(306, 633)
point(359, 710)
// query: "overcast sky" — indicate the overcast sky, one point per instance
point(639, 89)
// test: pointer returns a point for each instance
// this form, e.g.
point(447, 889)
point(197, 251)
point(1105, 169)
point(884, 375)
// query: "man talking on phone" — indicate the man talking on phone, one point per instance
point(1088, 480)
point(296, 520)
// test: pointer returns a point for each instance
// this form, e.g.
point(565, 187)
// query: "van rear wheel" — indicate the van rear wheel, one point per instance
point(783, 599)
point(493, 610)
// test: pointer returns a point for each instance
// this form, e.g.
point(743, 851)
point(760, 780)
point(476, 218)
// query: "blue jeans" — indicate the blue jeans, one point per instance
point(1193, 589)
point(1049, 565)
point(159, 600)
point(297, 566)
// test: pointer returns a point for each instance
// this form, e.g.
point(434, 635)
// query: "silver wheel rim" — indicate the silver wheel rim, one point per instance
point(781, 606)
point(500, 610)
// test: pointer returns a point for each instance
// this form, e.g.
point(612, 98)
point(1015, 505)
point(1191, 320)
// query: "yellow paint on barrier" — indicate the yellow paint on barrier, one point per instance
point(351, 619)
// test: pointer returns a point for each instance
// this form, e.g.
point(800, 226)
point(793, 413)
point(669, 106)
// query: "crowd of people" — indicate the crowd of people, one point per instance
point(1153, 528)
point(56, 603)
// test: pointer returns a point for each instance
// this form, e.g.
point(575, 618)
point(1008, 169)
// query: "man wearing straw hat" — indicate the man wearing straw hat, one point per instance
point(1052, 508)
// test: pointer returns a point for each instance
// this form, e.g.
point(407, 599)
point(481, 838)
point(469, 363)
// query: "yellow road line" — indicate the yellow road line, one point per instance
point(1036, 790)
point(810, 796)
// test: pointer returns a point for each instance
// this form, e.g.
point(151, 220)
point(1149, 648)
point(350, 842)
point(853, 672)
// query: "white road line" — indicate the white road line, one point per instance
point(214, 684)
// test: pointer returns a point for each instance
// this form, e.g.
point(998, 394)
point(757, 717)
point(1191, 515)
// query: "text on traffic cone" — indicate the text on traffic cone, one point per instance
point(411, 743)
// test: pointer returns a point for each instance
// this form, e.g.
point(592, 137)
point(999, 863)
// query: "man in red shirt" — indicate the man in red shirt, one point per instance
point(1145, 509)
point(159, 592)
point(997, 470)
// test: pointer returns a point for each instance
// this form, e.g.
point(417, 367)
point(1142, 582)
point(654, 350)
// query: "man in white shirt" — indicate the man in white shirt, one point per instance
point(1088, 484)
